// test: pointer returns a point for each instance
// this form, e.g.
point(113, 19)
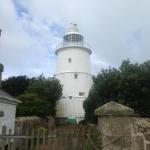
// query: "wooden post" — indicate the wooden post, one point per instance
point(9, 141)
point(44, 133)
point(38, 140)
point(9, 144)
point(26, 140)
point(4, 132)
point(32, 139)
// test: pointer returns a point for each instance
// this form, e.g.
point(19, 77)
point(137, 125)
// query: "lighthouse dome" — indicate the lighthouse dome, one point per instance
point(73, 36)
point(73, 29)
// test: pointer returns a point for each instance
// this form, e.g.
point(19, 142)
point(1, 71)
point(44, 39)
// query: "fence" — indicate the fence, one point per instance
point(60, 138)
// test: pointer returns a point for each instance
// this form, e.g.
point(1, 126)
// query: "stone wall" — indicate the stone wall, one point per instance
point(141, 134)
point(121, 130)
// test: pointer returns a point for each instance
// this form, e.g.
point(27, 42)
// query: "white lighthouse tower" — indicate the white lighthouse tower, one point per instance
point(74, 72)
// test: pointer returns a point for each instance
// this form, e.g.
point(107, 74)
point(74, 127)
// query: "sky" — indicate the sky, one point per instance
point(31, 29)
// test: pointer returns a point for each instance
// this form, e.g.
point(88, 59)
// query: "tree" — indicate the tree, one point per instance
point(16, 85)
point(41, 90)
point(32, 105)
point(128, 85)
point(105, 87)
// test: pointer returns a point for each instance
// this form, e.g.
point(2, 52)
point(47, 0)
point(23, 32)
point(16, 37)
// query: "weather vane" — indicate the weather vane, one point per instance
point(73, 24)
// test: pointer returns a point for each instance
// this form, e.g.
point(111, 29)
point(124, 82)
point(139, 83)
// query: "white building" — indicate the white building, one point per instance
point(74, 72)
point(7, 109)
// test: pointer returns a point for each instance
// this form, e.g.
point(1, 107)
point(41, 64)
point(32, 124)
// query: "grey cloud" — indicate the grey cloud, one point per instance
point(116, 30)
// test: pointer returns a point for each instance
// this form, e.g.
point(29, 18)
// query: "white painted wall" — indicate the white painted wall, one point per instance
point(71, 107)
point(80, 60)
point(74, 48)
point(80, 64)
point(72, 86)
point(9, 116)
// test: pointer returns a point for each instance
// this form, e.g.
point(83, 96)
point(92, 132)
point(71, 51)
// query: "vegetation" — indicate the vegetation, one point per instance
point(32, 105)
point(128, 85)
point(40, 98)
point(16, 85)
point(38, 95)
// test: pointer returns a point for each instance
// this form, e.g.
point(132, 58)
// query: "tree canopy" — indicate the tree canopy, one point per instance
point(40, 97)
point(128, 85)
point(32, 105)
point(16, 85)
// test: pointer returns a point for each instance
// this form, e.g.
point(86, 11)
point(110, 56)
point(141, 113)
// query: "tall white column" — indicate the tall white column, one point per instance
point(74, 72)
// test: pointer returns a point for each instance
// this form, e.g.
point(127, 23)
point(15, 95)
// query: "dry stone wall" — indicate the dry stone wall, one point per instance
point(121, 130)
point(141, 134)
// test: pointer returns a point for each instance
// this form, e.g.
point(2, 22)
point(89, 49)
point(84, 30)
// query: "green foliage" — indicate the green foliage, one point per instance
point(48, 90)
point(40, 98)
point(32, 105)
point(16, 85)
point(129, 85)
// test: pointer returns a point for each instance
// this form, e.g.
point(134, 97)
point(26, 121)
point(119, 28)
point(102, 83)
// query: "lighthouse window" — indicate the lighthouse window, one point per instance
point(81, 93)
point(69, 60)
point(73, 38)
point(69, 38)
point(70, 97)
point(75, 75)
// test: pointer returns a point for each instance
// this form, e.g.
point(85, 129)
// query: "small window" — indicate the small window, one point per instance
point(1, 114)
point(70, 97)
point(9, 131)
point(69, 60)
point(81, 93)
point(75, 75)
point(4, 130)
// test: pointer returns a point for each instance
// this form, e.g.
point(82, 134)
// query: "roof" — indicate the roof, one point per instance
point(73, 29)
point(114, 109)
point(5, 97)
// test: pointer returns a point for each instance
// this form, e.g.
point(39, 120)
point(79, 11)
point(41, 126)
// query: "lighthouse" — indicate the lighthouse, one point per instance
point(73, 70)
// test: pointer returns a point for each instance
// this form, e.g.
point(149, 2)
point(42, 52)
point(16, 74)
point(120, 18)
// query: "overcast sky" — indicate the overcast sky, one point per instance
point(115, 29)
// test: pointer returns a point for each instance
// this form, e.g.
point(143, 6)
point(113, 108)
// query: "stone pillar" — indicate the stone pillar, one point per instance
point(1, 70)
point(114, 123)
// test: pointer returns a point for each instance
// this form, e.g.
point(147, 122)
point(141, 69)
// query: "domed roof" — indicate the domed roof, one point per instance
point(1, 67)
point(73, 29)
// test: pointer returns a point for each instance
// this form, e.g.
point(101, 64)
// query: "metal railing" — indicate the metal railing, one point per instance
point(73, 44)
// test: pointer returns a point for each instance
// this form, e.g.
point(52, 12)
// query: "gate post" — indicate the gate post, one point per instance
point(114, 124)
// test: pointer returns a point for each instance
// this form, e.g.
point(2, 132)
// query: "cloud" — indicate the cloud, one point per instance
point(116, 30)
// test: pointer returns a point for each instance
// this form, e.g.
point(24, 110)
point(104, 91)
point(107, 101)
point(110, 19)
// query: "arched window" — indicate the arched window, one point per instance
point(9, 132)
point(4, 130)
point(1, 114)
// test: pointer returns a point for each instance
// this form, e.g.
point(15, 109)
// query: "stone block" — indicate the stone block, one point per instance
point(137, 142)
point(148, 146)
point(114, 125)
point(122, 143)
point(147, 136)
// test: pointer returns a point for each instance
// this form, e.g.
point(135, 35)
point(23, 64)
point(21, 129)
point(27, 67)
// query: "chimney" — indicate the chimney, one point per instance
point(1, 70)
